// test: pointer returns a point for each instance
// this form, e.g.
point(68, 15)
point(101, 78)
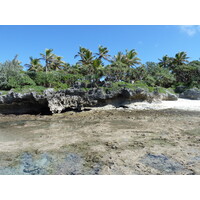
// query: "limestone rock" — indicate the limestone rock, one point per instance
point(191, 94)
point(169, 97)
point(59, 103)
point(49, 92)
point(73, 99)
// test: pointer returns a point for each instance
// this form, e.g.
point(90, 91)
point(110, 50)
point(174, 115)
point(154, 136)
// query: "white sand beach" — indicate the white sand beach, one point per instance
point(180, 104)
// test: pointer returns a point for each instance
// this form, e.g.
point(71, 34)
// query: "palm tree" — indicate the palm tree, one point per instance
point(178, 65)
point(86, 56)
point(165, 61)
point(86, 62)
point(16, 61)
point(81, 52)
point(57, 63)
point(131, 59)
point(180, 58)
point(103, 53)
point(97, 69)
point(34, 65)
point(119, 58)
point(121, 65)
point(118, 67)
point(128, 60)
point(48, 56)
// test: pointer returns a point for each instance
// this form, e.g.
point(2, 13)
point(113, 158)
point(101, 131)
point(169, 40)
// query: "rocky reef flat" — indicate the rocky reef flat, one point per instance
point(117, 141)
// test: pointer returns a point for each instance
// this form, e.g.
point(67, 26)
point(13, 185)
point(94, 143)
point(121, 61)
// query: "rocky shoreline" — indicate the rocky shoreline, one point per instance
point(51, 101)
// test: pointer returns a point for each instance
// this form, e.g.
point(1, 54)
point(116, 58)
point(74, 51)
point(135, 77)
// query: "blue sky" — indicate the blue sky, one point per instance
point(151, 42)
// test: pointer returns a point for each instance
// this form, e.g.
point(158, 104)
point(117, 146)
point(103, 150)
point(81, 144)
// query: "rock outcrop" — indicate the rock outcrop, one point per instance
point(28, 103)
point(72, 99)
point(191, 94)
point(166, 96)
point(51, 101)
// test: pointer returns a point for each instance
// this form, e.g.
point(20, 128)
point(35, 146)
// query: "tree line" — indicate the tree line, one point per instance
point(94, 69)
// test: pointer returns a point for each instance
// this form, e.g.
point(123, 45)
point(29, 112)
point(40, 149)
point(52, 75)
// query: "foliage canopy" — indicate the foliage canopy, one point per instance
point(94, 69)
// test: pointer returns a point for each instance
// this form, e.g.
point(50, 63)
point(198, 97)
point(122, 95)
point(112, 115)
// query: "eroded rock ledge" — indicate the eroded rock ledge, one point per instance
point(73, 99)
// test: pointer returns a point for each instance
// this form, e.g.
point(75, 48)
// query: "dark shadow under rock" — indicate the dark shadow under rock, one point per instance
point(25, 108)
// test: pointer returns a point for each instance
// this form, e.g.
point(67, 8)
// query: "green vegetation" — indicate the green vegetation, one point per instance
point(100, 70)
point(138, 84)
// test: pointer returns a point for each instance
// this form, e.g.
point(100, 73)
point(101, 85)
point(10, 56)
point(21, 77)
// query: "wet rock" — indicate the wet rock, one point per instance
point(28, 165)
point(34, 166)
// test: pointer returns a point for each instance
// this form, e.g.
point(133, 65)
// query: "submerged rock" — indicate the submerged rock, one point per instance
point(165, 164)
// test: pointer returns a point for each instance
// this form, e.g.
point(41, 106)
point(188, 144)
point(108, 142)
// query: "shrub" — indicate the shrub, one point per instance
point(158, 76)
point(20, 80)
point(60, 86)
point(12, 76)
point(54, 79)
